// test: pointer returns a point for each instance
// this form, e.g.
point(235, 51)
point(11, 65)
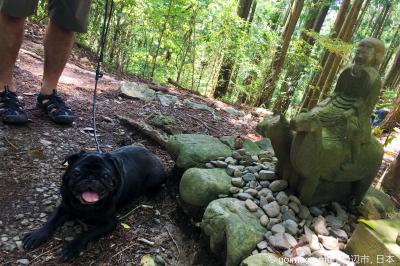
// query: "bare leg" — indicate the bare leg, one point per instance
point(57, 48)
point(10, 42)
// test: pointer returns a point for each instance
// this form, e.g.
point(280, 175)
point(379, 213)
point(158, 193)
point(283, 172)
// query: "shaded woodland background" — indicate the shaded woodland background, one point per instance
point(284, 55)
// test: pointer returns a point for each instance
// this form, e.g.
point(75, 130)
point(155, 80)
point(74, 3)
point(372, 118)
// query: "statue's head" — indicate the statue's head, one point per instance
point(370, 52)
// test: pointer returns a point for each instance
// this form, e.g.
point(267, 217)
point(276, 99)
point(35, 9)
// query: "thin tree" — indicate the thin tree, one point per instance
point(392, 76)
point(272, 75)
point(392, 120)
point(313, 84)
point(316, 17)
point(228, 63)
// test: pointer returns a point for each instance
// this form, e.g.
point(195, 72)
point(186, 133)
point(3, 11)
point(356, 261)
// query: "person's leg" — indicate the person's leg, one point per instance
point(58, 44)
point(11, 110)
point(10, 41)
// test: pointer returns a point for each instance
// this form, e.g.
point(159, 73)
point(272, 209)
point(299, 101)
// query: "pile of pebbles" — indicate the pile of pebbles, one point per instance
point(296, 231)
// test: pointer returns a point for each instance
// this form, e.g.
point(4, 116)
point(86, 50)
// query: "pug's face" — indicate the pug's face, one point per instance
point(91, 177)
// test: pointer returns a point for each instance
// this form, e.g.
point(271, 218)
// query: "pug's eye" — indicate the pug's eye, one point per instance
point(75, 174)
point(106, 176)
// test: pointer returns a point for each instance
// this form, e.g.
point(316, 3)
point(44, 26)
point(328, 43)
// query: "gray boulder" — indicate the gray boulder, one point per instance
point(137, 91)
point(198, 187)
point(232, 229)
point(192, 150)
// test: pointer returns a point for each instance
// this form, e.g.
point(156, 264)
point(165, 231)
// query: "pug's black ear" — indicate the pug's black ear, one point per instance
point(71, 159)
point(118, 163)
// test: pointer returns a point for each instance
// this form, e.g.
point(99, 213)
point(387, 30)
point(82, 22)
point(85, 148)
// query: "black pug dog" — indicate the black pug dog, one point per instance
point(93, 187)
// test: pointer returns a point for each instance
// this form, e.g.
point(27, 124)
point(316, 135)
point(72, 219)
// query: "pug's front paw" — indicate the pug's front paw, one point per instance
point(35, 239)
point(71, 251)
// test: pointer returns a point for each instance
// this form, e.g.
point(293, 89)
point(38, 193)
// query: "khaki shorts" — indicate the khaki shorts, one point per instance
point(68, 14)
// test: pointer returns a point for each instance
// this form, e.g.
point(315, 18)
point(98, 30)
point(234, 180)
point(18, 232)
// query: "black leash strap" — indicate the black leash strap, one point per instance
point(108, 10)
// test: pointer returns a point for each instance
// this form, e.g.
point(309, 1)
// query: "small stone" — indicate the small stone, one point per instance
point(272, 222)
point(329, 242)
point(209, 166)
point(265, 192)
point(68, 238)
point(23, 261)
point(272, 209)
point(237, 182)
point(262, 245)
point(278, 228)
point(289, 215)
point(254, 252)
point(340, 234)
point(266, 175)
point(265, 184)
point(294, 207)
point(295, 199)
point(236, 155)
point(303, 251)
point(290, 226)
point(249, 177)
point(4, 239)
point(334, 221)
point(253, 192)
point(311, 238)
point(244, 196)
point(284, 208)
point(304, 212)
point(25, 222)
point(264, 220)
point(237, 173)
point(320, 226)
point(221, 164)
point(278, 185)
point(230, 160)
point(315, 211)
point(267, 235)
point(279, 241)
point(282, 198)
point(263, 201)
point(251, 205)
point(234, 190)
point(291, 240)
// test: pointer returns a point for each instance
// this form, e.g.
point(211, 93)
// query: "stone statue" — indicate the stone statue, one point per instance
point(332, 155)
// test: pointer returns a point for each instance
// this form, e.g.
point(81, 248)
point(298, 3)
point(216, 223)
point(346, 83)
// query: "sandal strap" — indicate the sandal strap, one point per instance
point(54, 103)
point(9, 103)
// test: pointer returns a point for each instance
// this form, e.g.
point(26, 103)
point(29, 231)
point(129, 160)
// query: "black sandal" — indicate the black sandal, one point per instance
point(56, 108)
point(11, 109)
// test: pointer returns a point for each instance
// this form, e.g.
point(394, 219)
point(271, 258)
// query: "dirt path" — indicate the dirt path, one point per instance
point(31, 167)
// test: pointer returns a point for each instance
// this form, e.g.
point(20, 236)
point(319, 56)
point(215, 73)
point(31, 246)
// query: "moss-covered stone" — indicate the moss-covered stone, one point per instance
point(199, 187)
point(233, 230)
point(192, 150)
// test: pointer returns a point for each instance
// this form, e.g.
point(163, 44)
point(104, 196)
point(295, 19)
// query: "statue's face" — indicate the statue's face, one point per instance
point(365, 53)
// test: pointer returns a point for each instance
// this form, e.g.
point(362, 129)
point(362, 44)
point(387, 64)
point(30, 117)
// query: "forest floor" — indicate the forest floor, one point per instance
point(31, 165)
point(32, 156)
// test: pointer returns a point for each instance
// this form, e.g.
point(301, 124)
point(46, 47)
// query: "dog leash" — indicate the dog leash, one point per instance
point(108, 10)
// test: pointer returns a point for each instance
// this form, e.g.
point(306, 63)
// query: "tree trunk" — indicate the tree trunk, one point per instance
point(348, 30)
point(290, 83)
point(225, 73)
point(312, 86)
point(379, 25)
point(392, 120)
point(268, 85)
point(393, 73)
point(390, 51)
